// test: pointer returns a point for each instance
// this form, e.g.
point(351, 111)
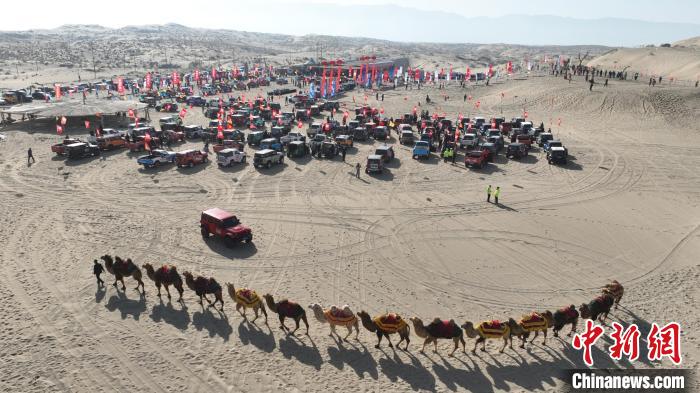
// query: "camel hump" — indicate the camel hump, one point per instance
point(437, 320)
point(347, 310)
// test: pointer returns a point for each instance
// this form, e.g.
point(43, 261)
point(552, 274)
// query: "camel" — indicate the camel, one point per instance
point(121, 268)
point(202, 286)
point(598, 308)
point(337, 316)
point(439, 329)
point(533, 322)
point(488, 330)
point(563, 317)
point(246, 298)
point(166, 275)
point(616, 290)
point(287, 309)
point(385, 325)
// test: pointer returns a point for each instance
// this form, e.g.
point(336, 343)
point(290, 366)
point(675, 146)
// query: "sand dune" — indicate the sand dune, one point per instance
point(419, 240)
point(675, 62)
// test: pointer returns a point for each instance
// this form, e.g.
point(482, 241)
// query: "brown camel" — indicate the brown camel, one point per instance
point(563, 317)
point(287, 309)
point(202, 286)
point(438, 329)
point(246, 298)
point(166, 275)
point(616, 290)
point(597, 308)
point(533, 322)
point(121, 268)
point(488, 330)
point(337, 316)
point(385, 325)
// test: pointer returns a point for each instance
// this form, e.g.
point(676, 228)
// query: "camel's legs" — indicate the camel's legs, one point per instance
point(456, 341)
point(435, 344)
point(427, 340)
point(476, 343)
point(123, 285)
point(158, 286)
point(296, 322)
point(333, 329)
point(544, 339)
point(282, 326)
point(349, 327)
point(573, 327)
point(379, 338)
point(238, 308)
point(464, 344)
point(167, 289)
point(537, 333)
point(357, 330)
point(262, 309)
point(303, 318)
point(388, 338)
point(505, 342)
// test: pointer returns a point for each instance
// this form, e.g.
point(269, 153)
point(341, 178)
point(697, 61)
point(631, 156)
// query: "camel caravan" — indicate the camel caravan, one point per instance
point(384, 325)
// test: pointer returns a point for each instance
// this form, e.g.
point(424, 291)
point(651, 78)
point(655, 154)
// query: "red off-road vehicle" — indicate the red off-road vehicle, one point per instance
point(224, 225)
point(190, 158)
point(60, 148)
point(477, 158)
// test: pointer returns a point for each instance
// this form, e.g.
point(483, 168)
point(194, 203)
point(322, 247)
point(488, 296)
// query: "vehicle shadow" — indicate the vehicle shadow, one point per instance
point(241, 250)
point(166, 313)
point(395, 163)
point(528, 159)
point(251, 333)
point(195, 169)
point(154, 170)
point(216, 326)
point(234, 167)
point(273, 170)
point(127, 307)
point(81, 161)
point(571, 164)
point(300, 160)
point(386, 175)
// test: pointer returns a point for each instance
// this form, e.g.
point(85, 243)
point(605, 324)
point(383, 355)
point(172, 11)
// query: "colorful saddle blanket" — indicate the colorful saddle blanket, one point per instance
point(390, 323)
point(493, 329)
point(569, 313)
point(247, 297)
point(442, 328)
point(338, 316)
point(534, 322)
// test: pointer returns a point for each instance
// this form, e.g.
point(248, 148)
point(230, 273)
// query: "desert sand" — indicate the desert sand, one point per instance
point(419, 240)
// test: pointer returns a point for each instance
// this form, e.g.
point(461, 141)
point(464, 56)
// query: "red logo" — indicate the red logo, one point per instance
point(626, 342)
point(586, 340)
point(665, 342)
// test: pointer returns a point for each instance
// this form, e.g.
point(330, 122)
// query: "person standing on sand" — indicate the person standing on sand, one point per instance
point(30, 156)
point(342, 152)
point(606, 82)
point(488, 193)
point(590, 87)
point(357, 170)
point(97, 269)
point(496, 194)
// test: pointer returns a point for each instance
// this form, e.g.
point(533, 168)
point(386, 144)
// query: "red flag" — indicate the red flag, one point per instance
point(149, 81)
point(490, 70)
point(196, 75)
point(469, 73)
point(147, 141)
point(299, 124)
point(120, 85)
point(97, 132)
point(525, 114)
point(131, 113)
point(87, 124)
point(59, 129)
point(63, 120)
point(213, 72)
point(57, 91)
point(183, 112)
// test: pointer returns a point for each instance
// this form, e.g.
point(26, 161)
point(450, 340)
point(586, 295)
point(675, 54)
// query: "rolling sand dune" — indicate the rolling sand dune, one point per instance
point(675, 62)
point(418, 240)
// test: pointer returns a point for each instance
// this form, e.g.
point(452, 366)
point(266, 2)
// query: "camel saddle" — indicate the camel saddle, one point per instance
point(338, 316)
point(165, 272)
point(390, 322)
point(533, 322)
point(493, 329)
point(569, 312)
point(247, 297)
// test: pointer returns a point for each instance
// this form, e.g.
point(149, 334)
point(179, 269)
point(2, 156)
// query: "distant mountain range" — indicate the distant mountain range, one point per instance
point(410, 25)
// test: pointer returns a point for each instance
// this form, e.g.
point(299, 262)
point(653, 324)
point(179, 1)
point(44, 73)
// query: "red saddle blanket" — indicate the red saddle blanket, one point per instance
point(442, 328)
point(533, 322)
point(569, 312)
point(493, 329)
point(247, 297)
point(338, 315)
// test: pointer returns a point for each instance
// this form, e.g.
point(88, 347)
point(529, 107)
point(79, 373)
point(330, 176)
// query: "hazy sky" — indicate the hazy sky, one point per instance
point(251, 15)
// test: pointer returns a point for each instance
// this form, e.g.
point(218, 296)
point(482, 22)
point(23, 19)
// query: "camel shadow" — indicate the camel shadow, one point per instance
point(166, 313)
point(414, 373)
point(127, 307)
point(215, 326)
point(473, 380)
point(250, 333)
point(528, 376)
point(290, 347)
point(361, 361)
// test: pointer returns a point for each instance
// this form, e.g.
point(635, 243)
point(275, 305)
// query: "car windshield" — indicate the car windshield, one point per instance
point(230, 222)
point(554, 144)
point(422, 144)
point(475, 154)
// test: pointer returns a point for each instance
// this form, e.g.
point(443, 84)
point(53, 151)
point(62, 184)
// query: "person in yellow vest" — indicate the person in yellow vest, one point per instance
point(488, 193)
point(496, 194)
